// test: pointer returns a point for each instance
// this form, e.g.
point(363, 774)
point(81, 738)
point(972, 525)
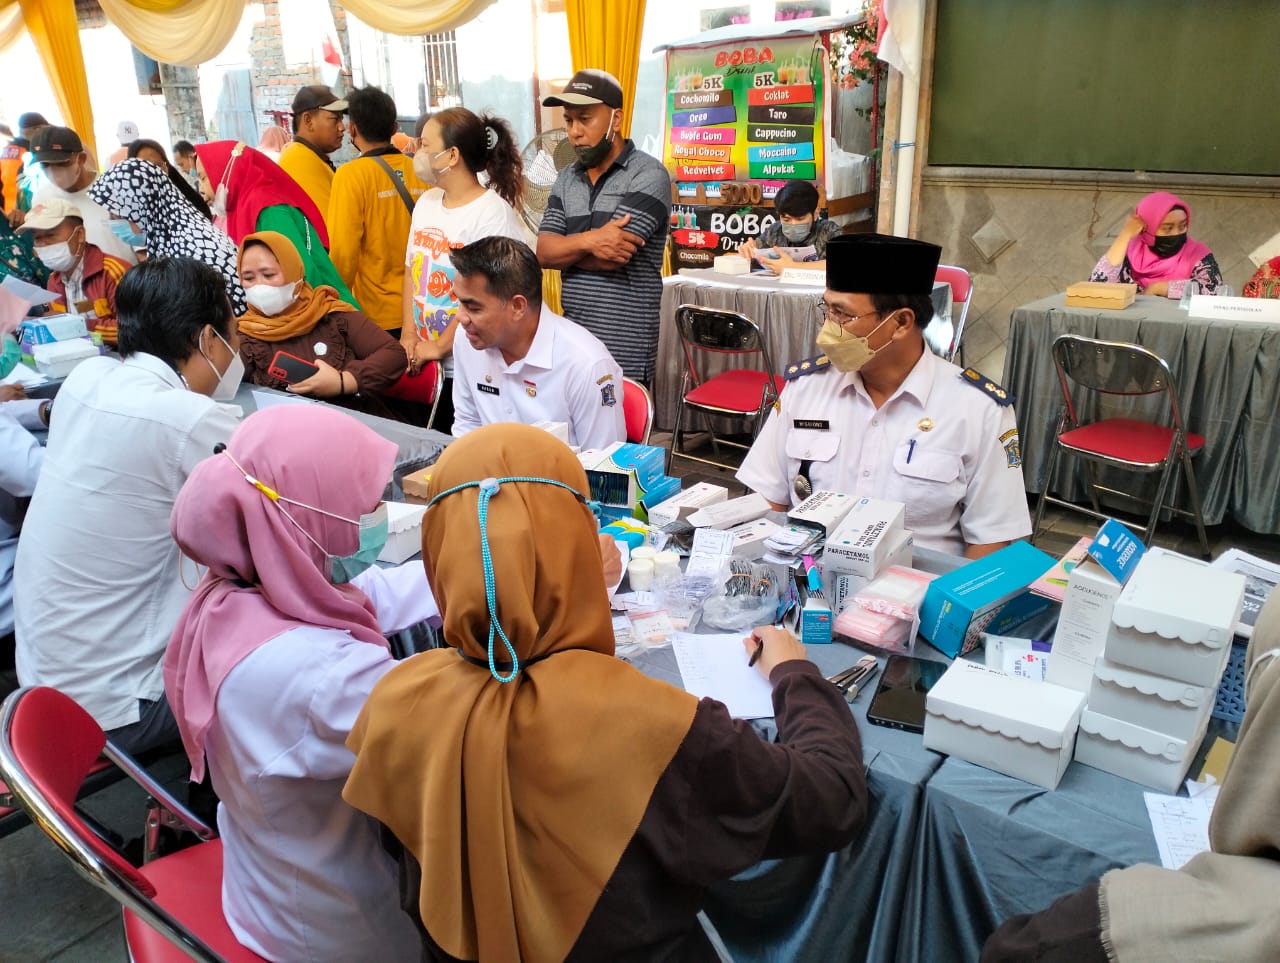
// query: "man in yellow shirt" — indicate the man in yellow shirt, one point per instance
point(371, 208)
point(317, 133)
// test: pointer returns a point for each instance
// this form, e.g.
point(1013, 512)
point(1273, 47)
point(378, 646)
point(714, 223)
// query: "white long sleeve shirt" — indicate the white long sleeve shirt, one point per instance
point(20, 459)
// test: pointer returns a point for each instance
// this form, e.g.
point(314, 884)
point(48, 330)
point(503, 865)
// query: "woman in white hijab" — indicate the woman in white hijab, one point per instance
point(1222, 904)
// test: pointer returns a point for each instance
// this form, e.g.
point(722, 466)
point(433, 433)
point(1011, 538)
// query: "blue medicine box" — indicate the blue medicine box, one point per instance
point(987, 595)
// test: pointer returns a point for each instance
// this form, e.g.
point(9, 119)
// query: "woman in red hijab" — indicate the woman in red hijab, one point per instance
point(249, 192)
point(1154, 251)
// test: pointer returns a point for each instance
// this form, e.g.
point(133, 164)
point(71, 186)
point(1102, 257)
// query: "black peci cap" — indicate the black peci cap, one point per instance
point(881, 264)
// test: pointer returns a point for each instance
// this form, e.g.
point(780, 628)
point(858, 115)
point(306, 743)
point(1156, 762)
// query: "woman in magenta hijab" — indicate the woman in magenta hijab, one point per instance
point(1154, 251)
point(271, 661)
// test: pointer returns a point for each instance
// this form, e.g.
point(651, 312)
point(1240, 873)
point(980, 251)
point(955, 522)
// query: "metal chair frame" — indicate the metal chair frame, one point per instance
point(109, 873)
point(1143, 373)
point(957, 344)
point(754, 343)
point(649, 409)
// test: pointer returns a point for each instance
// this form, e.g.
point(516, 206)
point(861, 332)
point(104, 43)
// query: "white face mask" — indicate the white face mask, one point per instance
point(229, 380)
point(422, 162)
point(57, 257)
point(270, 299)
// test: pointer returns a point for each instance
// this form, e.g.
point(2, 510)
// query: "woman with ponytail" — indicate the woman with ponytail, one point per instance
point(455, 148)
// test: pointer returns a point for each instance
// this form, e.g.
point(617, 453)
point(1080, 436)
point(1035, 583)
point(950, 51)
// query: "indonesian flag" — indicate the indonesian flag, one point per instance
point(902, 35)
point(310, 38)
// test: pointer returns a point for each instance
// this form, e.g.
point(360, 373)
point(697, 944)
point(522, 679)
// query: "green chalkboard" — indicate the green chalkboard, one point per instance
point(1152, 85)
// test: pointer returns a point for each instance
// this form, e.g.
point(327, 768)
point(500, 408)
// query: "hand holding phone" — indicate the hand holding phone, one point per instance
point(290, 368)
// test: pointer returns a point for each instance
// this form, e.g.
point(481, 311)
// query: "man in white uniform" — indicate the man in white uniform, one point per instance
point(879, 415)
point(522, 362)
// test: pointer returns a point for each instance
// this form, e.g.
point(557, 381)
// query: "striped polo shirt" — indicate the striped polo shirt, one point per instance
point(619, 307)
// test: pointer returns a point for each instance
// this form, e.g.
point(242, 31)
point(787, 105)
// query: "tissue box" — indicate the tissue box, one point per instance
point(1175, 617)
point(1132, 752)
point(47, 330)
point(1101, 294)
point(862, 543)
point(960, 605)
point(686, 503)
point(1151, 701)
point(56, 360)
point(731, 264)
point(404, 532)
point(1021, 728)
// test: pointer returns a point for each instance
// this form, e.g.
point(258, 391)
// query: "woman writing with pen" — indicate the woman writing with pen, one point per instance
point(558, 788)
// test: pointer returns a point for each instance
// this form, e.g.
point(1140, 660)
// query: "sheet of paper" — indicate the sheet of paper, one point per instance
point(22, 375)
point(265, 399)
point(29, 292)
point(1260, 580)
point(1181, 826)
point(715, 667)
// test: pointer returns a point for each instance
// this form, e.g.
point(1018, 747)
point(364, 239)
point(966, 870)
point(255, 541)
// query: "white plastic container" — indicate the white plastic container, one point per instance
point(57, 359)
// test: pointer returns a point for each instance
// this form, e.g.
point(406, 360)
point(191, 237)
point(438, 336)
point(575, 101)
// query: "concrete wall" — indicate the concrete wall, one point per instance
point(1024, 235)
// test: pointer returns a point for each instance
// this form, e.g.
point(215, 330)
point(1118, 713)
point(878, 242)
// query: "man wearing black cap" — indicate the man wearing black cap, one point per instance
point(605, 226)
point(70, 171)
point(317, 133)
point(878, 415)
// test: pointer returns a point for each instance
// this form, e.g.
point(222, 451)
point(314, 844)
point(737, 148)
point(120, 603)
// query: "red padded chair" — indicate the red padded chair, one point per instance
point(173, 904)
point(712, 339)
point(1119, 368)
point(637, 409)
point(423, 388)
point(961, 297)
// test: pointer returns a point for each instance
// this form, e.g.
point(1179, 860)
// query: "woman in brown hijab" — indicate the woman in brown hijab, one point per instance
point(356, 358)
point(559, 803)
point(1219, 906)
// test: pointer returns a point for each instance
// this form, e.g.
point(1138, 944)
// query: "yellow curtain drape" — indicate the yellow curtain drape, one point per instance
point(11, 26)
point(605, 34)
point(410, 17)
point(176, 31)
point(56, 34)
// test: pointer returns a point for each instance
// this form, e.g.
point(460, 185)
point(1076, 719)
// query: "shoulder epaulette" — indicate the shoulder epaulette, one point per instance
point(798, 369)
point(988, 387)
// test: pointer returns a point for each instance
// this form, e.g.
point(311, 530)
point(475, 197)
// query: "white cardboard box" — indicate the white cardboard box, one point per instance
point(840, 587)
point(1083, 625)
point(1131, 752)
point(1175, 708)
point(823, 510)
point(404, 532)
point(1175, 617)
point(686, 503)
point(1021, 728)
point(861, 544)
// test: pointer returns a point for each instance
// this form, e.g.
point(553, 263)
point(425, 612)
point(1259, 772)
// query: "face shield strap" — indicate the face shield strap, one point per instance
point(488, 488)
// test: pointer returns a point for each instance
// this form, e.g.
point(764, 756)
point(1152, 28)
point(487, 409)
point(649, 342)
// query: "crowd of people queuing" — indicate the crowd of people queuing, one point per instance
point(202, 583)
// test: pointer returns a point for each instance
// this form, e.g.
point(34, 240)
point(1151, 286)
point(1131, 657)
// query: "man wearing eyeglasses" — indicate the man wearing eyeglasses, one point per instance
point(878, 415)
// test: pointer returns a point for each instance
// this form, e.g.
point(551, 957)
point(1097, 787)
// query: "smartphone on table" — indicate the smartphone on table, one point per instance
point(291, 368)
point(899, 703)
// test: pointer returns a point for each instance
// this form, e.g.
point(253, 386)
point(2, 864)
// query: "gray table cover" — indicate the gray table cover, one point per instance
point(1227, 385)
point(786, 315)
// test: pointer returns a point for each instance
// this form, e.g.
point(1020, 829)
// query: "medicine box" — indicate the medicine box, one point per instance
point(823, 510)
point(731, 264)
point(862, 542)
point(1132, 752)
point(1175, 708)
point(735, 511)
point(840, 587)
point(1101, 294)
point(620, 474)
point(56, 360)
point(1083, 625)
point(1175, 617)
point(815, 622)
point(960, 605)
point(47, 330)
point(687, 502)
point(749, 537)
point(404, 532)
point(1021, 728)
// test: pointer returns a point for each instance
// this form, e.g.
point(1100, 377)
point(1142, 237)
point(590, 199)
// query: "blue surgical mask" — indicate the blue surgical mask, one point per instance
point(124, 230)
point(342, 568)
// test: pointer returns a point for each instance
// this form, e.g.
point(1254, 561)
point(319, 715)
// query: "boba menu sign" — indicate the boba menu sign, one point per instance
point(751, 111)
point(742, 120)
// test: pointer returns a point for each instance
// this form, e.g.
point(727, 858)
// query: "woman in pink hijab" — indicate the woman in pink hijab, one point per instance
point(271, 661)
point(1154, 251)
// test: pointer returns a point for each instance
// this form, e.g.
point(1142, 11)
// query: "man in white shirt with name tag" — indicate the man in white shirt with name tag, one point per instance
point(878, 415)
point(522, 362)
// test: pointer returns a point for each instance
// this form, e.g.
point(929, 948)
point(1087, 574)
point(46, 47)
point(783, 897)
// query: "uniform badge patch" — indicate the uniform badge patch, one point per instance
point(608, 397)
point(1012, 447)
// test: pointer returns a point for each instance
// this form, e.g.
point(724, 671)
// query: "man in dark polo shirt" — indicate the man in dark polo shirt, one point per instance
point(605, 226)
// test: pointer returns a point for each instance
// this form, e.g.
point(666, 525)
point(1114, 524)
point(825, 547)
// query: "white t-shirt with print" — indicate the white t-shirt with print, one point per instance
point(435, 231)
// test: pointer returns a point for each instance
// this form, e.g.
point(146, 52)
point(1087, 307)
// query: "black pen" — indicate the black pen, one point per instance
point(755, 656)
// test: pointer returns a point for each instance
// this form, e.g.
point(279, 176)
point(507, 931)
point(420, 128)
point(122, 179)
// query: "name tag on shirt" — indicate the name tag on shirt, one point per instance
point(811, 424)
point(489, 389)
